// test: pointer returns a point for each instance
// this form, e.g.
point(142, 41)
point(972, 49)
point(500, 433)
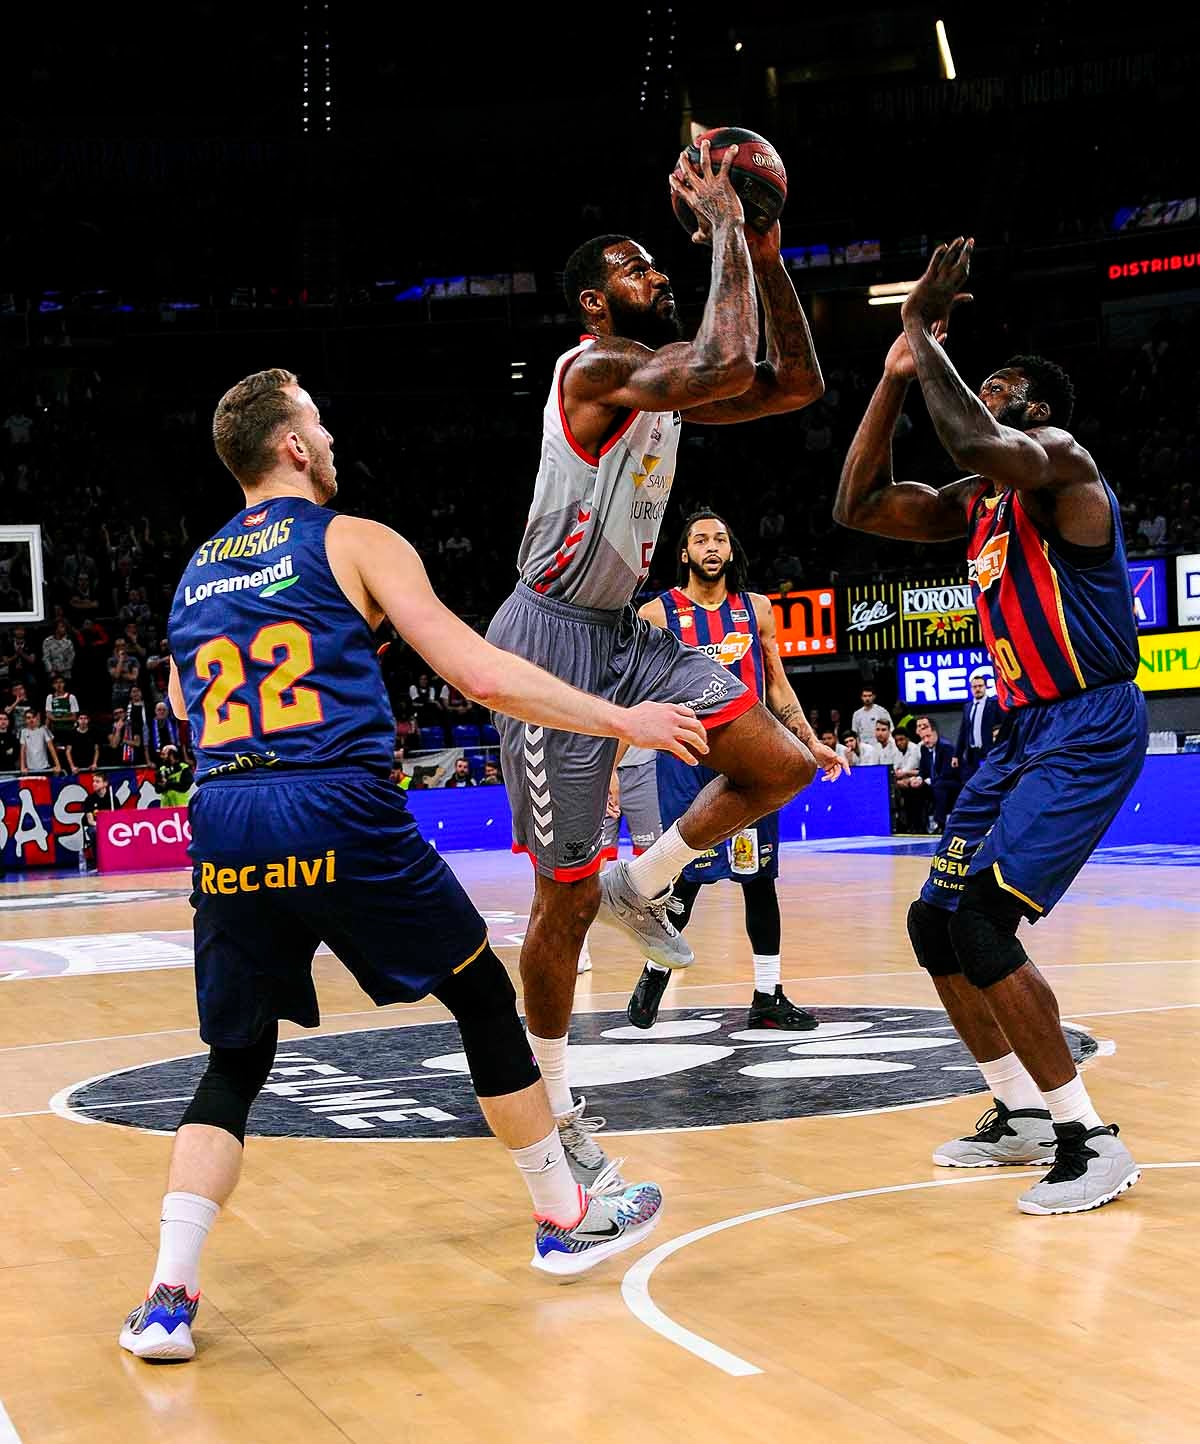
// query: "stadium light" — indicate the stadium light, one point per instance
point(947, 60)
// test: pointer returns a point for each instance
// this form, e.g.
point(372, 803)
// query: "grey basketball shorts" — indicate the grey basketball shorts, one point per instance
point(558, 781)
point(639, 807)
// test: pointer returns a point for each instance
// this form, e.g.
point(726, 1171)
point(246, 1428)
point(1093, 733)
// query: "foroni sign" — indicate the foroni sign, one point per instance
point(892, 616)
point(805, 623)
point(929, 678)
point(1170, 662)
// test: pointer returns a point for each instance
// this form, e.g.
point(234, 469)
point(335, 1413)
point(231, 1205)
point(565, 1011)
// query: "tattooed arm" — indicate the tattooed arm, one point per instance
point(790, 377)
point(781, 699)
point(868, 497)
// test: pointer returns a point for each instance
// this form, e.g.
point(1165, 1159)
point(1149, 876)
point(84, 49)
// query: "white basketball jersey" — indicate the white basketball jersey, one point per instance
point(595, 519)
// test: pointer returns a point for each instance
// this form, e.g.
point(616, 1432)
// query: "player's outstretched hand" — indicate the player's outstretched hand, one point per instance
point(832, 766)
point(667, 727)
point(941, 287)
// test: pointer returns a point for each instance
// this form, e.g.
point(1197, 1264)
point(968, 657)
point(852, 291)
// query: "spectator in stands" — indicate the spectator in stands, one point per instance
point(102, 799)
point(58, 651)
point(457, 547)
point(62, 708)
point(158, 667)
point(38, 753)
point(77, 563)
point(112, 753)
point(19, 428)
point(124, 671)
point(163, 732)
point(137, 724)
point(83, 746)
point(858, 754)
point(83, 604)
point(461, 776)
point(10, 747)
point(18, 709)
point(423, 694)
point(939, 773)
point(981, 718)
point(455, 705)
point(21, 659)
point(864, 719)
point(889, 755)
point(835, 721)
point(1152, 530)
point(491, 774)
point(173, 777)
point(910, 793)
point(829, 738)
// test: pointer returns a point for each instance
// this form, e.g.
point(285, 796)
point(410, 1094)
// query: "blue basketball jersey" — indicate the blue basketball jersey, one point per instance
point(278, 668)
point(728, 633)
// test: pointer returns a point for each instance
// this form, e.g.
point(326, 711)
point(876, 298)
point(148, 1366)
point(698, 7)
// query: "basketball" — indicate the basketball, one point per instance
point(757, 175)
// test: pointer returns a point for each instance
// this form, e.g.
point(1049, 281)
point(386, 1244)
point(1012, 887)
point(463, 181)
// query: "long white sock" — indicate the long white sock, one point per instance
point(661, 863)
point(1071, 1104)
point(551, 1055)
point(554, 1192)
point(1009, 1081)
point(186, 1220)
point(767, 972)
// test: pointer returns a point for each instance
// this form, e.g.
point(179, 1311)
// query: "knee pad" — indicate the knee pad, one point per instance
point(484, 1004)
point(929, 934)
point(232, 1081)
point(984, 929)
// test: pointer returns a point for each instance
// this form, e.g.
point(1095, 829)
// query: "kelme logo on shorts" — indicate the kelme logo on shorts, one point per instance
point(696, 1068)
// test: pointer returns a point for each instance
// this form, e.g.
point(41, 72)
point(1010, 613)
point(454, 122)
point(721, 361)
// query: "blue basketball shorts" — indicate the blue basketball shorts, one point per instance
point(285, 861)
point(751, 853)
point(1043, 798)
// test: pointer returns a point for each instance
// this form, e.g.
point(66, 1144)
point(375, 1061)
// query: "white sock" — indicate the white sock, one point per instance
point(186, 1220)
point(1009, 1082)
point(661, 863)
point(1071, 1104)
point(766, 972)
point(551, 1055)
point(554, 1192)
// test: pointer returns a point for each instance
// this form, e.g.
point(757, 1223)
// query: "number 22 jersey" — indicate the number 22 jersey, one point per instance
point(278, 668)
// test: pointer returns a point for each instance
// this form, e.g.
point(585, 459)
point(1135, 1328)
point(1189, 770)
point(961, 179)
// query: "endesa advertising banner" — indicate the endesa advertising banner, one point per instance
point(128, 841)
point(929, 678)
point(805, 622)
point(1149, 583)
point(899, 616)
point(41, 817)
point(1187, 590)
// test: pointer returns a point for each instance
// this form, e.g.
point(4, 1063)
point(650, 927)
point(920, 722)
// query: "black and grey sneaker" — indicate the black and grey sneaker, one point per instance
point(1002, 1135)
point(1091, 1168)
point(776, 1010)
point(647, 996)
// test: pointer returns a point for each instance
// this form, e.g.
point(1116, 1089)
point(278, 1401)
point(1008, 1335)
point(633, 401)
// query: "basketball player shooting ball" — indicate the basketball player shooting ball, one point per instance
point(1046, 562)
point(609, 442)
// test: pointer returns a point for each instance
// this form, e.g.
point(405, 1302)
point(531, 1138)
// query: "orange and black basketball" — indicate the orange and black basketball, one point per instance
point(757, 175)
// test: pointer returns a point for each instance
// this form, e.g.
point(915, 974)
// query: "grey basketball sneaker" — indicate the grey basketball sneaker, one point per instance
point(1091, 1168)
point(644, 919)
point(1019, 1135)
point(588, 1162)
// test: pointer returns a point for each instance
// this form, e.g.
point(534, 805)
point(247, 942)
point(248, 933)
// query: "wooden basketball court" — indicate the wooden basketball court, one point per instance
point(814, 1276)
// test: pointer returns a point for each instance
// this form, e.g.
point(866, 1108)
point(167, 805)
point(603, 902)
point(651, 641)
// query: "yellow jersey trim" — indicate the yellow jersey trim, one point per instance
point(1063, 618)
point(473, 956)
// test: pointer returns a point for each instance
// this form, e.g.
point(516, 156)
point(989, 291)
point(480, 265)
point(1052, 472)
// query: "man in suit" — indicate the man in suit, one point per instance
point(939, 772)
point(981, 717)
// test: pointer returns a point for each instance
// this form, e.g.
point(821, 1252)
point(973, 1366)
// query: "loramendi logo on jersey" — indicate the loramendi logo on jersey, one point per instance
point(696, 1068)
point(266, 582)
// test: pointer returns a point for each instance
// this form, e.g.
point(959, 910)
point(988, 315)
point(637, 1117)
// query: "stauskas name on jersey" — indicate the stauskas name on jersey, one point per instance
point(246, 543)
point(266, 582)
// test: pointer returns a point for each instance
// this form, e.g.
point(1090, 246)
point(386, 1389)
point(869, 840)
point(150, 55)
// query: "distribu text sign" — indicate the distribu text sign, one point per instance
point(805, 623)
point(134, 841)
point(928, 678)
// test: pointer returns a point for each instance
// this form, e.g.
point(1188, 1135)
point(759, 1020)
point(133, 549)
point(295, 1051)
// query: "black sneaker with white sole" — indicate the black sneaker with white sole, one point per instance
point(647, 996)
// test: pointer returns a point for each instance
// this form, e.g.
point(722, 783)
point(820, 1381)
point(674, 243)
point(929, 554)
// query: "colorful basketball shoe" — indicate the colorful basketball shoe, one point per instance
point(160, 1328)
point(609, 1225)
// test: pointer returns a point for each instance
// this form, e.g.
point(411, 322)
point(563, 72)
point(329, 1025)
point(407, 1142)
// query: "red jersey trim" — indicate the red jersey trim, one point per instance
point(569, 874)
point(566, 425)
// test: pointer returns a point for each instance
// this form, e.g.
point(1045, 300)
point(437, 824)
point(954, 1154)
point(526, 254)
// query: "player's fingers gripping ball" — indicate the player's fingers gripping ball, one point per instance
point(757, 175)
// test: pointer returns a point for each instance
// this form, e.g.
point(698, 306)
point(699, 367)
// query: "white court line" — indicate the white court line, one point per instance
point(1120, 1012)
point(635, 1286)
point(8, 1433)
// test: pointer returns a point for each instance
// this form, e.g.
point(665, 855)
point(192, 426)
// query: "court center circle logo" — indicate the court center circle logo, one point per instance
point(696, 1068)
